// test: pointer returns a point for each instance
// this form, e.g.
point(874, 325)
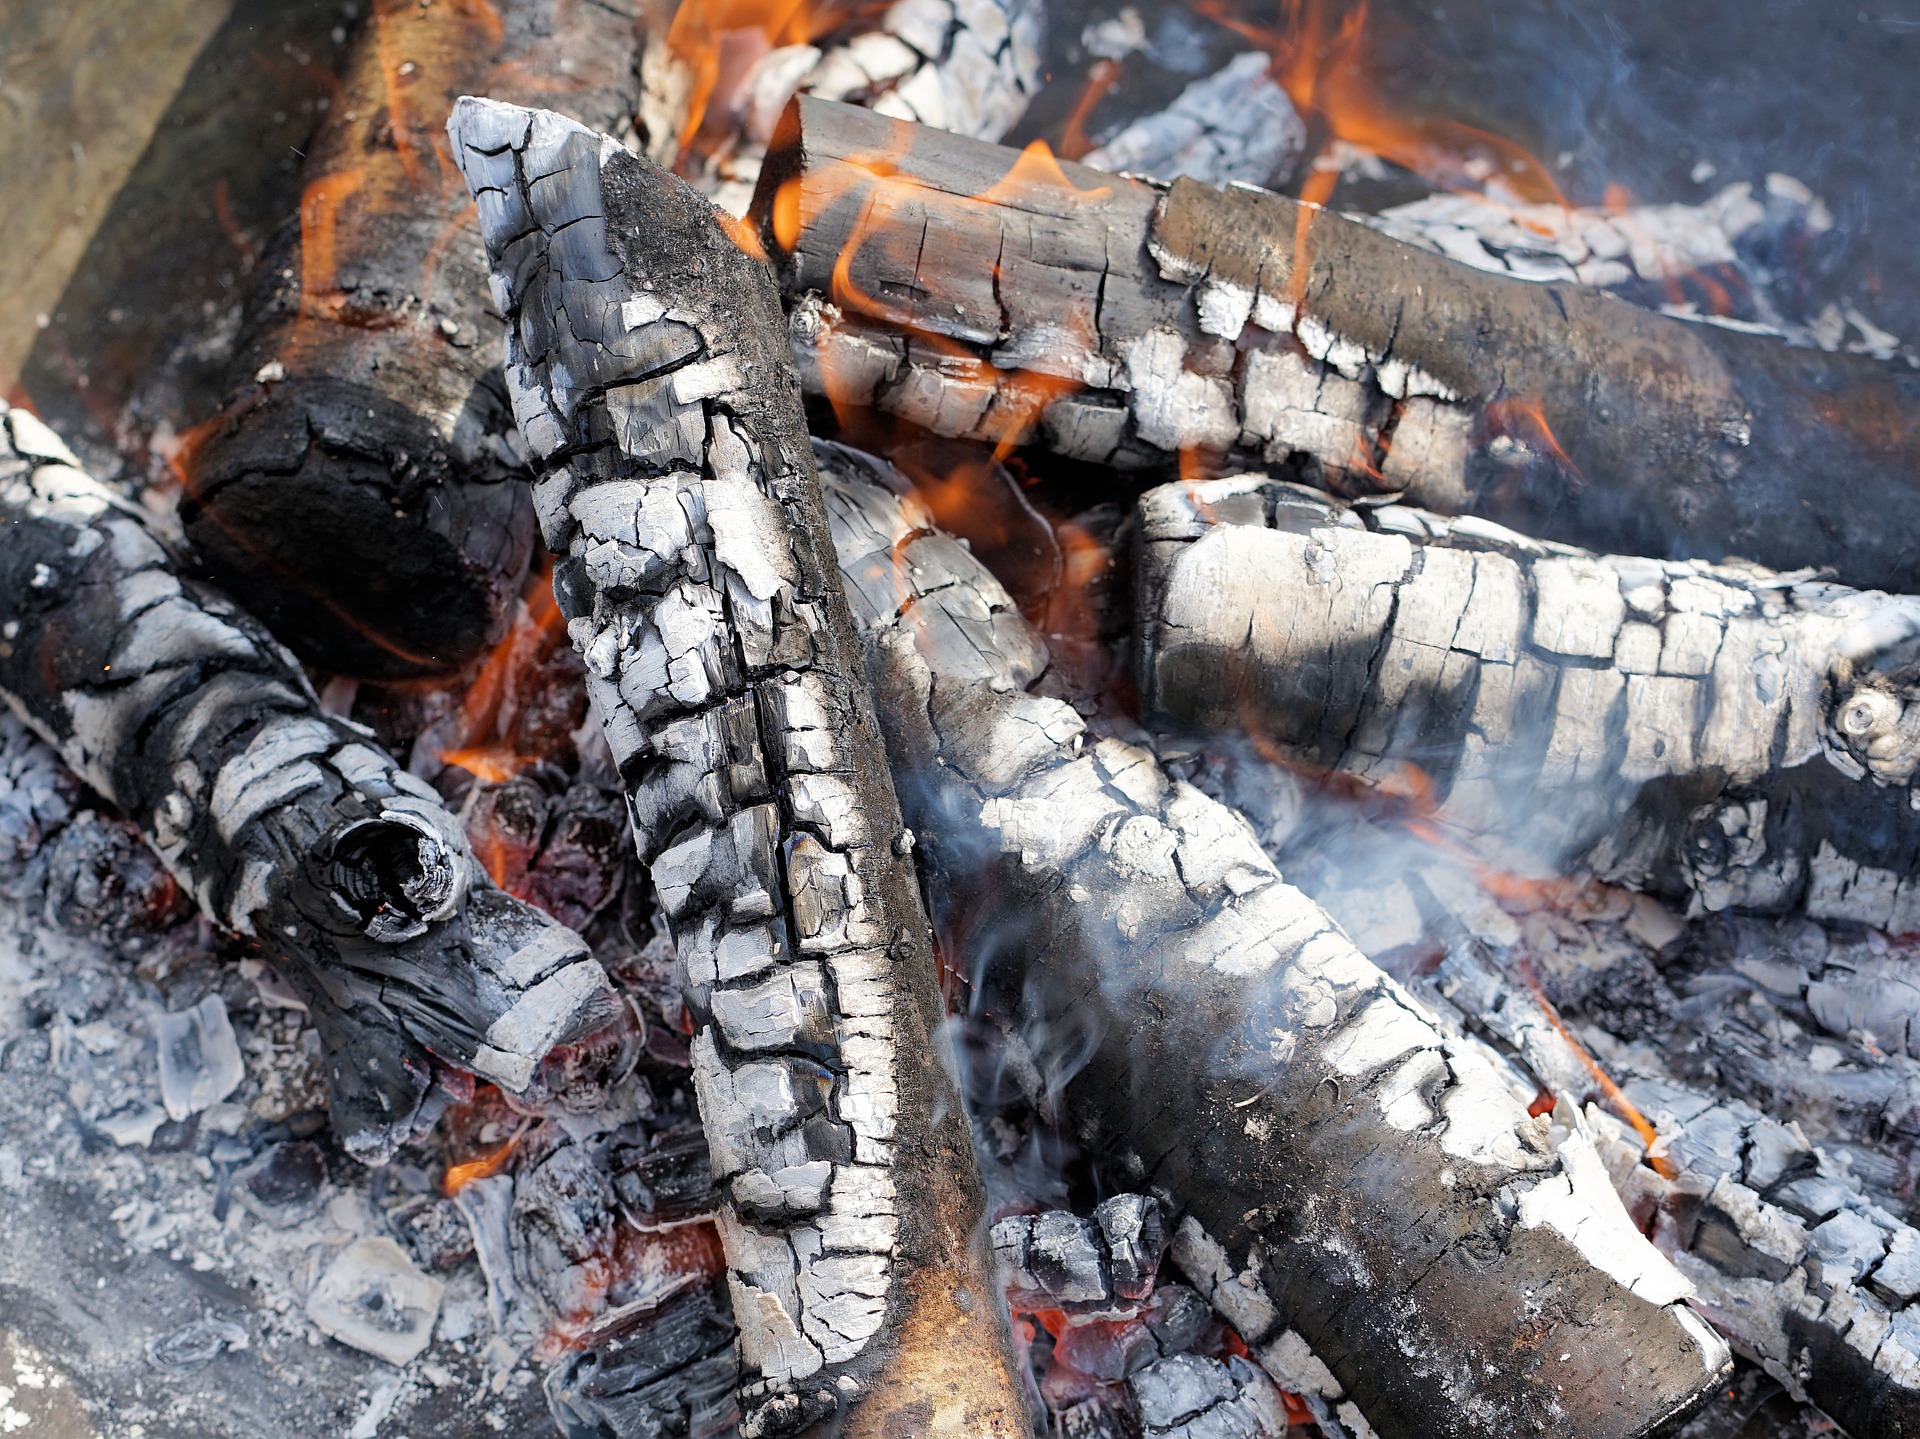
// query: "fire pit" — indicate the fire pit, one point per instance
point(959, 718)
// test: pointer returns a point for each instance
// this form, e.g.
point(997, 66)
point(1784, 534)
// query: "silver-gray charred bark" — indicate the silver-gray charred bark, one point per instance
point(945, 281)
point(648, 367)
point(1724, 735)
point(1355, 1184)
point(285, 824)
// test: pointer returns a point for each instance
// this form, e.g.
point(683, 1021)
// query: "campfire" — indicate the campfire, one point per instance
point(735, 760)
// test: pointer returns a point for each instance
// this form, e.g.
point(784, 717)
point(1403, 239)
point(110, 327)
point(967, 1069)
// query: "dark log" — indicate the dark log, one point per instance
point(1809, 1276)
point(1726, 736)
point(361, 492)
point(649, 372)
point(1346, 1171)
point(948, 282)
point(286, 825)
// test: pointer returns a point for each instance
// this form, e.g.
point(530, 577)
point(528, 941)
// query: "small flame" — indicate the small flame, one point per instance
point(320, 205)
point(1101, 79)
point(459, 1176)
point(1522, 418)
point(484, 726)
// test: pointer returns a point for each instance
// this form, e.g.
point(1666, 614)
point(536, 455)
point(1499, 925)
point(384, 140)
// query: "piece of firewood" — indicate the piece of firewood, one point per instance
point(1809, 1277)
point(285, 824)
point(1370, 1190)
point(649, 372)
point(362, 492)
point(1723, 735)
point(955, 285)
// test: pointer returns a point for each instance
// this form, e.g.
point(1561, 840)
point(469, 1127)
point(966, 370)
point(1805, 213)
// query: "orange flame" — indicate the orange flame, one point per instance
point(459, 1176)
point(1522, 418)
point(320, 205)
point(1101, 79)
point(492, 700)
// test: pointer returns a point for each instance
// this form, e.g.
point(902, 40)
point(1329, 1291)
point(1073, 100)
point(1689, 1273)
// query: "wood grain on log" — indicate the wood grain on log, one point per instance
point(362, 491)
point(1725, 735)
point(1347, 1171)
point(948, 282)
point(648, 367)
point(286, 825)
point(1811, 1278)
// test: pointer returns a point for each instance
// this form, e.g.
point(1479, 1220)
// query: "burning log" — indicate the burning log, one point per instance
point(968, 66)
point(1353, 1172)
point(361, 492)
point(1810, 1277)
point(1728, 736)
point(286, 825)
point(983, 294)
point(648, 369)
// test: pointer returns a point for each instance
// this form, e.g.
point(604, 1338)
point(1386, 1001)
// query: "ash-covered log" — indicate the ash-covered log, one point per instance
point(1375, 1191)
point(1810, 1277)
point(649, 373)
point(1724, 735)
point(1022, 301)
point(362, 491)
point(286, 825)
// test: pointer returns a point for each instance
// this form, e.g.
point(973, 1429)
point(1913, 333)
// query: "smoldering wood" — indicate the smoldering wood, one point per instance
point(362, 490)
point(1725, 736)
point(1338, 1160)
point(1117, 322)
point(286, 825)
point(648, 368)
point(1812, 1278)
point(968, 66)
point(1236, 124)
point(671, 1377)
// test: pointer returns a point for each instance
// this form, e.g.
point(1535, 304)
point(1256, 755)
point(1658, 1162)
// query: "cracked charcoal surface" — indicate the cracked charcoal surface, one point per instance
point(1126, 324)
point(362, 490)
point(648, 371)
point(1231, 1007)
point(1234, 125)
point(286, 825)
point(967, 66)
point(1729, 737)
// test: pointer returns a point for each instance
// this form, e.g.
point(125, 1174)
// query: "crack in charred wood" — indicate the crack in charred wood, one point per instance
point(1722, 734)
point(648, 370)
point(286, 825)
point(1241, 327)
point(1275, 1072)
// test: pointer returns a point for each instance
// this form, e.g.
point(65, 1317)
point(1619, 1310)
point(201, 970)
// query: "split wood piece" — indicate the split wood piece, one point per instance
point(649, 372)
point(1382, 1195)
point(362, 492)
point(968, 66)
point(1807, 1275)
point(972, 292)
point(1724, 735)
point(286, 825)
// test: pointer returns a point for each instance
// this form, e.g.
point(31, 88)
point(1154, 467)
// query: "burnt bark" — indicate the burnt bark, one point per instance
point(948, 282)
point(1347, 1171)
point(1806, 1274)
point(649, 373)
point(1726, 736)
point(361, 491)
point(286, 825)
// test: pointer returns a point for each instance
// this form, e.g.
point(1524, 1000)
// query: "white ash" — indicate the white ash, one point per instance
point(1236, 125)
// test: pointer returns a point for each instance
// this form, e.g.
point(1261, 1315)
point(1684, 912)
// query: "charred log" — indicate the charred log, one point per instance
point(649, 373)
point(362, 490)
point(1809, 1276)
point(1351, 1170)
point(286, 825)
point(1724, 735)
point(950, 283)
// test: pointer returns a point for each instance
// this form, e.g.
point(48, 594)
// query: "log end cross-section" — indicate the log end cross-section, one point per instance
point(648, 369)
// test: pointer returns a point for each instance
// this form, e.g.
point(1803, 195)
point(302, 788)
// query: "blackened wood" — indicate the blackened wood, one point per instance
point(361, 492)
point(1727, 736)
point(938, 279)
point(285, 824)
point(648, 366)
point(1356, 1185)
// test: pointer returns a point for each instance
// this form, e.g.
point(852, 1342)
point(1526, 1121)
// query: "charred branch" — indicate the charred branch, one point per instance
point(649, 372)
point(362, 491)
point(1724, 735)
point(1347, 1170)
point(286, 825)
point(948, 282)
